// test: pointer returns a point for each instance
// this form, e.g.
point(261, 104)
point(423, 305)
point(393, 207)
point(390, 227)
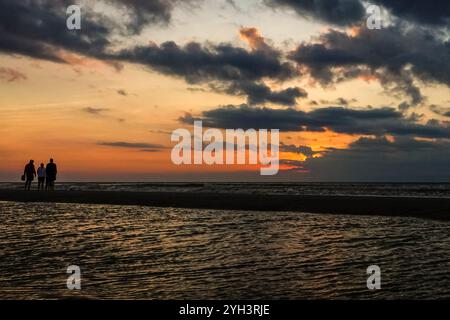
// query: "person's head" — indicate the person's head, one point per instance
point(51, 160)
point(42, 165)
point(31, 161)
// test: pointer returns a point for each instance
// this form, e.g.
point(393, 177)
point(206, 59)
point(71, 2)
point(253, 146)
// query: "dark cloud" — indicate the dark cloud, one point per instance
point(259, 93)
point(233, 4)
point(224, 67)
point(145, 12)
point(257, 42)
point(131, 145)
point(196, 89)
point(11, 75)
point(305, 150)
point(96, 111)
point(430, 12)
point(394, 56)
point(339, 101)
point(338, 12)
point(440, 110)
point(198, 63)
point(160, 131)
point(379, 159)
point(378, 121)
point(38, 29)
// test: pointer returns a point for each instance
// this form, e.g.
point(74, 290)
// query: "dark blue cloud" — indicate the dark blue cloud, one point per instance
point(352, 12)
point(395, 56)
point(380, 121)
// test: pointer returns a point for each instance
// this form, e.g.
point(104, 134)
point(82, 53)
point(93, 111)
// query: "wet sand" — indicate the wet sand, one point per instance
point(428, 208)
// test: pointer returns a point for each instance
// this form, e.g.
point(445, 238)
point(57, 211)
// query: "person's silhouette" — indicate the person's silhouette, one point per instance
point(50, 171)
point(41, 176)
point(29, 172)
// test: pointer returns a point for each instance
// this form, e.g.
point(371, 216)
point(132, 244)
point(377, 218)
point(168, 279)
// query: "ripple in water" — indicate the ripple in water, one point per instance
point(131, 252)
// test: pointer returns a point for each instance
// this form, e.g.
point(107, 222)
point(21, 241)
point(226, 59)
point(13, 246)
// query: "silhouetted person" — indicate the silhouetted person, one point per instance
point(50, 171)
point(41, 173)
point(29, 172)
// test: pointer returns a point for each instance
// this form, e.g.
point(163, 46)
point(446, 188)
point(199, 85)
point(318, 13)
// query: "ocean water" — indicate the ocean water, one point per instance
point(319, 188)
point(132, 252)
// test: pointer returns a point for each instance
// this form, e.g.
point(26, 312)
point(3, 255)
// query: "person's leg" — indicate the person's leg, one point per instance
point(28, 185)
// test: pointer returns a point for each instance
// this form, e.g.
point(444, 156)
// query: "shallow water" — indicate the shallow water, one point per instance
point(165, 253)
point(320, 188)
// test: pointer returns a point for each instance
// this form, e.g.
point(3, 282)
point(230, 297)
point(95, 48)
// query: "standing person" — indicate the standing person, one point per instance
point(29, 172)
point(41, 176)
point(50, 171)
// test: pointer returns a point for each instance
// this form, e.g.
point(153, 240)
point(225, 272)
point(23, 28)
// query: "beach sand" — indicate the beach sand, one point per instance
point(428, 208)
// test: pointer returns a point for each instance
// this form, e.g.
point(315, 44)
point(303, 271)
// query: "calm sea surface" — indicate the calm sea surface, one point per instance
point(165, 253)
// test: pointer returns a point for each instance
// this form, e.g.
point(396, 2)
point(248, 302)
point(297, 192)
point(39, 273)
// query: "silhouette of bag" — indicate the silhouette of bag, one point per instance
point(22, 178)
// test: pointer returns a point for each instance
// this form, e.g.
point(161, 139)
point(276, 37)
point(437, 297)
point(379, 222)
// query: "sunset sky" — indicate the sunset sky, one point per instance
point(351, 103)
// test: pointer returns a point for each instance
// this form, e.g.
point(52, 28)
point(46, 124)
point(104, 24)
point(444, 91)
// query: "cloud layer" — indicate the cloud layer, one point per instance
point(411, 53)
point(379, 121)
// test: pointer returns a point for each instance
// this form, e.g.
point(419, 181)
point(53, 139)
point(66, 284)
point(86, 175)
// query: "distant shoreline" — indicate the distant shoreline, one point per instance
point(427, 208)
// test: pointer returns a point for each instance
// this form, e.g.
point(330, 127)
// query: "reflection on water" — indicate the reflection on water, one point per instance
point(166, 253)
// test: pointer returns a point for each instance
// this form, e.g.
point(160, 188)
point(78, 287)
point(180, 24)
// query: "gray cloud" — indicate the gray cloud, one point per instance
point(350, 12)
point(11, 75)
point(404, 159)
point(259, 93)
point(95, 111)
point(122, 92)
point(38, 29)
point(394, 55)
point(305, 150)
point(338, 12)
point(226, 68)
point(440, 110)
point(339, 101)
point(431, 12)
